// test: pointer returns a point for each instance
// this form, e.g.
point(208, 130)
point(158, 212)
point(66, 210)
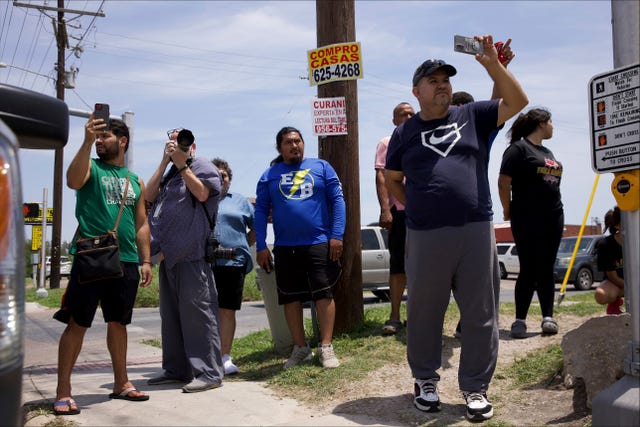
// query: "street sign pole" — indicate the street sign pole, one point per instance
point(619, 403)
point(41, 291)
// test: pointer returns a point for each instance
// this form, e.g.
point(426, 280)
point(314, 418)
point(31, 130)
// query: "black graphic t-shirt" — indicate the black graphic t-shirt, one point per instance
point(610, 255)
point(445, 163)
point(535, 178)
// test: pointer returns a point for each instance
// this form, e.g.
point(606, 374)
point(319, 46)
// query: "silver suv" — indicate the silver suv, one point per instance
point(28, 120)
point(375, 260)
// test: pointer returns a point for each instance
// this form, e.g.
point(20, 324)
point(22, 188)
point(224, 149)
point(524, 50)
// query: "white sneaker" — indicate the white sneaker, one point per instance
point(298, 355)
point(229, 367)
point(328, 357)
point(478, 407)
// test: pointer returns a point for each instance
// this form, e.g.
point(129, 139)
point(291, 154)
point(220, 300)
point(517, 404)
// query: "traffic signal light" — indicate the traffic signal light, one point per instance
point(31, 210)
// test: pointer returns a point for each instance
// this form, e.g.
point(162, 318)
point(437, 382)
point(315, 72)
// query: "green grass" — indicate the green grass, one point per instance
point(360, 351)
point(52, 300)
point(579, 304)
point(539, 367)
point(147, 297)
point(365, 350)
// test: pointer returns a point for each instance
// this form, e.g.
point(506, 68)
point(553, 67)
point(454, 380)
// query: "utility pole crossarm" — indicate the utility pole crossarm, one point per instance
point(58, 9)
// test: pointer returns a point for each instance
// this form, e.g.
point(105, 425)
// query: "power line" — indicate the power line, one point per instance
point(185, 47)
point(93, 19)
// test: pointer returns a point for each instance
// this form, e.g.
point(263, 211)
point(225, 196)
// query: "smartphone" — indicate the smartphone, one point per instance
point(101, 111)
point(467, 45)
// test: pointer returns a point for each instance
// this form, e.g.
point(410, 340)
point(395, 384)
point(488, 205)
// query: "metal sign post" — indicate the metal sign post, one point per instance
point(616, 148)
point(41, 291)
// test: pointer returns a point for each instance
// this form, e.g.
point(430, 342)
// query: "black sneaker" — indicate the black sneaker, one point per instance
point(426, 395)
point(478, 407)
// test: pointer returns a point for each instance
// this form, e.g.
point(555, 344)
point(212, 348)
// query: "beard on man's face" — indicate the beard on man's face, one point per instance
point(105, 153)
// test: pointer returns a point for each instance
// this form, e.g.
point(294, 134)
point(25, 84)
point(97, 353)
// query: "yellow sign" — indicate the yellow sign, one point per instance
point(36, 237)
point(341, 61)
point(28, 220)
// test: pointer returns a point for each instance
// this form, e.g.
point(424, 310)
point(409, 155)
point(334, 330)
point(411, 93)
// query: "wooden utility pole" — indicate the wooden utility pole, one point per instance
point(56, 232)
point(336, 24)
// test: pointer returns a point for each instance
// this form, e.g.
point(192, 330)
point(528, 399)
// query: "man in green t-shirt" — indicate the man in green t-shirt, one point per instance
point(100, 184)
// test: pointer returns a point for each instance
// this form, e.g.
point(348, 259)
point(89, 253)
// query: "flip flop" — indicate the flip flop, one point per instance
point(124, 395)
point(68, 403)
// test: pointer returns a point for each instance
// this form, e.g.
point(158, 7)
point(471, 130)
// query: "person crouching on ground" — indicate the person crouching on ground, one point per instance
point(610, 260)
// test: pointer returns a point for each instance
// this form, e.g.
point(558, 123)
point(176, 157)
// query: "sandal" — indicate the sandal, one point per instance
point(391, 327)
point(124, 395)
point(69, 403)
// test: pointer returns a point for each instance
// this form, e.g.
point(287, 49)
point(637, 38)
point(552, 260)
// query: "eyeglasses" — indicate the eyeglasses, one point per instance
point(172, 131)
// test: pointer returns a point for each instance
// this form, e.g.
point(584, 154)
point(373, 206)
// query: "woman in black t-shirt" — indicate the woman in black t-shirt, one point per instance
point(610, 260)
point(529, 188)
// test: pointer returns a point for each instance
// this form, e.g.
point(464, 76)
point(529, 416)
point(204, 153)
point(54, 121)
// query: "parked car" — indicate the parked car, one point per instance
point(508, 259)
point(27, 120)
point(65, 266)
point(375, 260)
point(584, 270)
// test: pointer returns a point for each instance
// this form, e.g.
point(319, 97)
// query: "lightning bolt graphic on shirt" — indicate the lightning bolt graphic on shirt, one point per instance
point(297, 180)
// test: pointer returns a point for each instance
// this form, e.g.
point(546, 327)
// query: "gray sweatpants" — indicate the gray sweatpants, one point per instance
point(462, 260)
point(189, 313)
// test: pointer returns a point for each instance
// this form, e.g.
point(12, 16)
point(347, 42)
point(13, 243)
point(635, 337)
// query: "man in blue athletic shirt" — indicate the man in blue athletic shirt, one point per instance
point(442, 152)
point(308, 222)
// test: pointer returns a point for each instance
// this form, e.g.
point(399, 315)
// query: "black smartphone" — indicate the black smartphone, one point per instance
point(101, 111)
point(467, 45)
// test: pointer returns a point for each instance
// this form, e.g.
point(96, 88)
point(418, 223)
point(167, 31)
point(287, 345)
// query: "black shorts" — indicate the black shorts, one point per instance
point(230, 284)
point(305, 273)
point(115, 296)
point(397, 238)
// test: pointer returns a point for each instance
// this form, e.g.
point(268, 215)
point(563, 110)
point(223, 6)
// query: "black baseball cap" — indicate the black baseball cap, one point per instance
point(430, 66)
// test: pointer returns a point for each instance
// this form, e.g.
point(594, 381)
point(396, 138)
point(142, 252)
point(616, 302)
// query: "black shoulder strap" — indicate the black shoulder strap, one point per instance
point(212, 221)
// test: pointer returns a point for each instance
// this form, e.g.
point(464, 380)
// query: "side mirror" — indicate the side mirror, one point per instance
point(38, 121)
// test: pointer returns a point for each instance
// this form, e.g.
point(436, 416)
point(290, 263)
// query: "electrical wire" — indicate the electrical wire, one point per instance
point(32, 48)
point(93, 19)
point(4, 21)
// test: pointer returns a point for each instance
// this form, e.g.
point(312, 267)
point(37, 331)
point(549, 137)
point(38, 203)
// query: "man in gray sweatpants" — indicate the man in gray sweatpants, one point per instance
point(184, 204)
point(437, 166)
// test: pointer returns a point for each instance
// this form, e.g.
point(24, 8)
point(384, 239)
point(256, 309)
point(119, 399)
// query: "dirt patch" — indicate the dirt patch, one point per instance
point(387, 393)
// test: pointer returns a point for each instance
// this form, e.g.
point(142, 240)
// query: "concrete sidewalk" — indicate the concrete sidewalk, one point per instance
point(237, 403)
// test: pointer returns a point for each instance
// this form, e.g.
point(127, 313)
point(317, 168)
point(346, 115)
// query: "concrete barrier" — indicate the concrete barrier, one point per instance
point(280, 335)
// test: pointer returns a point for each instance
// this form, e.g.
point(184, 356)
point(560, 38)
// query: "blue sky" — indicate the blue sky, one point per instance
point(231, 72)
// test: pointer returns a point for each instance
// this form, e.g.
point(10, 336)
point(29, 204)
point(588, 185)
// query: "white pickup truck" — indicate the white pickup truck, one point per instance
point(375, 260)
point(508, 259)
